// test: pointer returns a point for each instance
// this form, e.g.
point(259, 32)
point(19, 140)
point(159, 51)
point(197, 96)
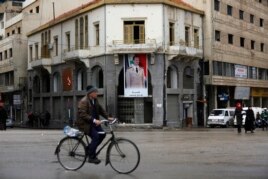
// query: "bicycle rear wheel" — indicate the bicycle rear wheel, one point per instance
point(71, 153)
point(124, 156)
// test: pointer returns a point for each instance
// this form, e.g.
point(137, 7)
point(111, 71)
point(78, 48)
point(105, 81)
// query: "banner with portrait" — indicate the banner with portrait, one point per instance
point(136, 75)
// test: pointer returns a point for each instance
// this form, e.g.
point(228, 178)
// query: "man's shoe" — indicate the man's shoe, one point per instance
point(94, 160)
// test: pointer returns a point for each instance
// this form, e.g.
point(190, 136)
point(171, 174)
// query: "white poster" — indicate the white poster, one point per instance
point(241, 71)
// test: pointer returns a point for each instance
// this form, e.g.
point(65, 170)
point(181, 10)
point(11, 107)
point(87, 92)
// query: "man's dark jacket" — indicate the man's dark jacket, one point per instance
point(84, 119)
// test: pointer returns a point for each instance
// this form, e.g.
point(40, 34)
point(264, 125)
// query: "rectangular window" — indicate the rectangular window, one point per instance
point(37, 9)
point(196, 38)
point(86, 31)
point(217, 35)
point(13, 31)
point(36, 51)
point(230, 39)
point(1, 56)
point(97, 34)
point(76, 34)
point(68, 41)
point(134, 32)
point(5, 54)
point(187, 36)
point(229, 10)
point(45, 49)
point(31, 53)
point(242, 42)
point(262, 47)
point(171, 34)
point(81, 33)
point(252, 44)
point(251, 18)
point(19, 31)
point(261, 22)
point(10, 53)
point(56, 45)
point(216, 5)
point(241, 14)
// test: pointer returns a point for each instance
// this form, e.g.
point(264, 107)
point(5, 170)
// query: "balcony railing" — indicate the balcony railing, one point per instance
point(184, 49)
point(144, 45)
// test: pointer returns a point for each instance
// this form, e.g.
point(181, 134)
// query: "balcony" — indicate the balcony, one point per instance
point(42, 63)
point(6, 65)
point(183, 50)
point(146, 46)
point(74, 54)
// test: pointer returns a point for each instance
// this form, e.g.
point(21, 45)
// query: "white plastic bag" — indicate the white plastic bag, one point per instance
point(70, 131)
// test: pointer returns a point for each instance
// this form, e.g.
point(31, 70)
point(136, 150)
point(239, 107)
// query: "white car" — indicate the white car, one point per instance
point(221, 117)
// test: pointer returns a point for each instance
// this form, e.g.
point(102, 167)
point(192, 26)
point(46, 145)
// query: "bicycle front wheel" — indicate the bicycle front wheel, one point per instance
point(124, 156)
point(71, 153)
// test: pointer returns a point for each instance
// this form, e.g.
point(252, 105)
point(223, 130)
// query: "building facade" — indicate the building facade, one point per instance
point(235, 50)
point(95, 44)
point(16, 20)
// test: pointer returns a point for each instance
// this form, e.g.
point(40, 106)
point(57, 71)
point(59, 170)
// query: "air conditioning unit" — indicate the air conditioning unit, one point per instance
point(50, 46)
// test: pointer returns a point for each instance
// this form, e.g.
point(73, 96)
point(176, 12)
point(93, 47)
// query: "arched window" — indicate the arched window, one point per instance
point(36, 84)
point(81, 79)
point(56, 82)
point(97, 77)
point(45, 82)
point(188, 78)
point(172, 77)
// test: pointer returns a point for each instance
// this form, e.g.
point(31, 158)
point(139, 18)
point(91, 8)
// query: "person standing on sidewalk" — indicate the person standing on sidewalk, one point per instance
point(3, 116)
point(88, 121)
point(238, 115)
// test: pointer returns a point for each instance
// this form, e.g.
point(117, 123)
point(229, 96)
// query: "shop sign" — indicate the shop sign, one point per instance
point(259, 92)
point(241, 71)
point(242, 93)
point(223, 97)
point(17, 100)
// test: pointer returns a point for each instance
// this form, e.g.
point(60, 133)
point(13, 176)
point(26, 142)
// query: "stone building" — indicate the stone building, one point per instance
point(236, 48)
point(95, 43)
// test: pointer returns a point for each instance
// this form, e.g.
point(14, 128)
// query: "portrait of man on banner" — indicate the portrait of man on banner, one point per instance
point(136, 75)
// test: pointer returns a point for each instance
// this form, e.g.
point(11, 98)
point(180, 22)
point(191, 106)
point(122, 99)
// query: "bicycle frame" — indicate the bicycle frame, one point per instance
point(108, 142)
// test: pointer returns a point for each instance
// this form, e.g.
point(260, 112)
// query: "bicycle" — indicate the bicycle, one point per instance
point(122, 154)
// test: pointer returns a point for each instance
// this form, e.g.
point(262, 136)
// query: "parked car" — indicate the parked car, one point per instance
point(221, 117)
point(244, 111)
point(10, 123)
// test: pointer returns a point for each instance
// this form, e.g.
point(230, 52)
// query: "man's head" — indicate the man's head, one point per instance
point(92, 92)
point(136, 60)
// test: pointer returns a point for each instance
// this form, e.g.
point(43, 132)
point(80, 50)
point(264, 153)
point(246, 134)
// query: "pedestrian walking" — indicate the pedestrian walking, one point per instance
point(250, 119)
point(238, 115)
point(3, 116)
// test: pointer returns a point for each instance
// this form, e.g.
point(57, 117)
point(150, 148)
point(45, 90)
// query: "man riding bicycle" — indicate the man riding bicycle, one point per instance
point(88, 121)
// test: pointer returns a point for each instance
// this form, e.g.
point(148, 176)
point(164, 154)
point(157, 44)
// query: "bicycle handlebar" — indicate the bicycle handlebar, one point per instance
point(108, 121)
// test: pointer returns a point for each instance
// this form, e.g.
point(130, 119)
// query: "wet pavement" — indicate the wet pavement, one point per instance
point(189, 153)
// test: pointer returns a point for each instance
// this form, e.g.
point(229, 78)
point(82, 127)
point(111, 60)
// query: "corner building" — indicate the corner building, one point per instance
point(92, 45)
